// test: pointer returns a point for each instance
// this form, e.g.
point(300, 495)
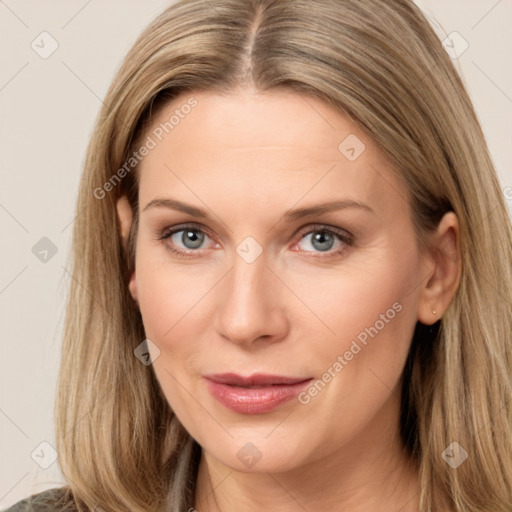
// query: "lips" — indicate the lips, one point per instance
point(258, 380)
point(255, 394)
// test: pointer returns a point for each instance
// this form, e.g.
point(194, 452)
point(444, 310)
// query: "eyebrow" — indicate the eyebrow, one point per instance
point(289, 215)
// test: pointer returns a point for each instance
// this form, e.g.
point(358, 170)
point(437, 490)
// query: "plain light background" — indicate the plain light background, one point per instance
point(48, 107)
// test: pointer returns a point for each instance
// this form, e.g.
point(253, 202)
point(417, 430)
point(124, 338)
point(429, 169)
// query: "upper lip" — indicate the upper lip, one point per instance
point(258, 379)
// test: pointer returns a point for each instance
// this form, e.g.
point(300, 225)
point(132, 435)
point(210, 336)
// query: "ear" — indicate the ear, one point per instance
point(125, 216)
point(445, 263)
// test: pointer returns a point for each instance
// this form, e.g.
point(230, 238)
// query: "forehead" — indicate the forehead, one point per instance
point(248, 146)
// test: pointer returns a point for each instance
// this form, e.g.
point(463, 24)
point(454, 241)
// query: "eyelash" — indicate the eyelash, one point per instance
point(346, 239)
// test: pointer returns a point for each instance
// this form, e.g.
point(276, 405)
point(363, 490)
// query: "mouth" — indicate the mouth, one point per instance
point(254, 394)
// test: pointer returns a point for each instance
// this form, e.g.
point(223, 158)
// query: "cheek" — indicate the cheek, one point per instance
point(366, 314)
point(177, 303)
point(170, 302)
point(361, 361)
point(356, 297)
point(167, 296)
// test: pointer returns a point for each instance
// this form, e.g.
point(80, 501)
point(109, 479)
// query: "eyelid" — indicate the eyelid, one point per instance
point(193, 226)
point(342, 233)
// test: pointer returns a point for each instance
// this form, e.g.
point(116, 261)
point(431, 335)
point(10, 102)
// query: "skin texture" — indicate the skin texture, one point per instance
point(248, 158)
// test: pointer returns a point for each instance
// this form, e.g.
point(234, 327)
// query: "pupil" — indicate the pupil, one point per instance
point(321, 237)
point(195, 243)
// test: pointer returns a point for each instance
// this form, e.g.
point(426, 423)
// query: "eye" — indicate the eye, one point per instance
point(323, 238)
point(185, 240)
point(190, 238)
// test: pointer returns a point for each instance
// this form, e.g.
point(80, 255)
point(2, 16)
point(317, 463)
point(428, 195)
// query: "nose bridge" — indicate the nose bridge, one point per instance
point(248, 284)
point(249, 310)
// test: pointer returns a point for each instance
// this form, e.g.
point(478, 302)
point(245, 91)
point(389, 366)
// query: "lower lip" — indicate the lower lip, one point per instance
point(255, 400)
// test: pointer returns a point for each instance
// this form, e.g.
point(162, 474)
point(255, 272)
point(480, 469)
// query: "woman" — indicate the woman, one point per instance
point(292, 270)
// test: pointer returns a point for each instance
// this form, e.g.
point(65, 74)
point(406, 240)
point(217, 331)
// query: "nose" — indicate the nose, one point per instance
point(251, 307)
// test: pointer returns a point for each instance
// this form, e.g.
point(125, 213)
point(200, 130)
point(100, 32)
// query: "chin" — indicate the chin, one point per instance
point(257, 454)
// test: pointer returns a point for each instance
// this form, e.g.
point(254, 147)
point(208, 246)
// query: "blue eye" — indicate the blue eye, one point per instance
point(191, 238)
point(323, 238)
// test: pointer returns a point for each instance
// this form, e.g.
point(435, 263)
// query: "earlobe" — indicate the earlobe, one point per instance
point(133, 288)
point(441, 284)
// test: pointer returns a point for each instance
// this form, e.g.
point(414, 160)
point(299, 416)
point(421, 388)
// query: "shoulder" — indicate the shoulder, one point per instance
point(59, 499)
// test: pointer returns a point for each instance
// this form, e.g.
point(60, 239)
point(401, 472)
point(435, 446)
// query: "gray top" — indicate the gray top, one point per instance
point(51, 500)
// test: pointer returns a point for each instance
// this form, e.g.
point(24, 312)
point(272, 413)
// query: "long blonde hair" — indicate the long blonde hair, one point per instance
point(380, 63)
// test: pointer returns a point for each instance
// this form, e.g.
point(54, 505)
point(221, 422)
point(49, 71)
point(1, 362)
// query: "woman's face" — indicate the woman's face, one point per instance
point(254, 288)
